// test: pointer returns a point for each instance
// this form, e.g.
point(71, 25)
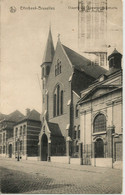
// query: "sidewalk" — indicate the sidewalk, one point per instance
point(87, 168)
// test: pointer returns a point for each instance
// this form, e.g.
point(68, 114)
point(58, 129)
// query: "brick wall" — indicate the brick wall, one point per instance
point(63, 80)
point(33, 131)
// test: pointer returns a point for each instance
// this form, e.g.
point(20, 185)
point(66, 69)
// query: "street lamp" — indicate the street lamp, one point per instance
point(18, 149)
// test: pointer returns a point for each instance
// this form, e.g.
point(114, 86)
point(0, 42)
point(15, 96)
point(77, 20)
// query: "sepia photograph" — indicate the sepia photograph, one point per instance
point(61, 97)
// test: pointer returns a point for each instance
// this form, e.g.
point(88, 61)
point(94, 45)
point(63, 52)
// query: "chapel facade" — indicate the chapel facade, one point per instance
point(101, 117)
point(64, 74)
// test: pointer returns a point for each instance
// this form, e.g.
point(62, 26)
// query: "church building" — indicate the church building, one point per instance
point(65, 74)
point(101, 120)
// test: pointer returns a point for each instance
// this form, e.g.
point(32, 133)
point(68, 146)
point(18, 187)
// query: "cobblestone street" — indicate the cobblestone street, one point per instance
point(53, 178)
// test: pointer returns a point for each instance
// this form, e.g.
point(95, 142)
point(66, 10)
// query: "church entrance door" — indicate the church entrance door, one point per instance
point(99, 148)
point(44, 148)
point(10, 151)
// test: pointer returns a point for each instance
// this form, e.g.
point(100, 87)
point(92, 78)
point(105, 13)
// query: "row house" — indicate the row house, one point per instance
point(6, 132)
point(25, 137)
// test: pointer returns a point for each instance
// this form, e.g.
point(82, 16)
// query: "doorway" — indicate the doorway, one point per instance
point(10, 151)
point(44, 147)
point(99, 148)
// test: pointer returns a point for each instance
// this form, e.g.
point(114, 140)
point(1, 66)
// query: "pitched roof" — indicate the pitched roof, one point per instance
point(2, 116)
point(112, 71)
point(83, 64)
point(14, 116)
point(49, 50)
point(54, 128)
point(33, 115)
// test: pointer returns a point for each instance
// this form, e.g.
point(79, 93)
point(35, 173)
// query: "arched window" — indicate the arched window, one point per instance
point(99, 123)
point(47, 100)
point(58, 101)
point(43, 73)
point(16, 146)
point(55, 70)
point(54, 106)
point(20, 131)
point(58, 68)
point(24, 130)
point(78, 131)
point(21, 145)
point(74, 134)
point(4, 137)
point(3, 149)
point(16, 132)
point(47, 70)
point(61, 101)
point(76, 111)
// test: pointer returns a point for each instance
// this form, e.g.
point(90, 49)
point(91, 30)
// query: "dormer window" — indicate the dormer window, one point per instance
point(58, 68)
point(43, 73)
point(102, 78)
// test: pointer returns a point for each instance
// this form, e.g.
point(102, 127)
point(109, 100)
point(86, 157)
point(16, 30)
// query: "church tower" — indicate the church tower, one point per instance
point(45, 66)
point(92, 30)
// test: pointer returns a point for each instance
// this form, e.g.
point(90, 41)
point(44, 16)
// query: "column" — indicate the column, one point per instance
point(67, 148)
point(38, 151)
point(110, 131)
point(93, 155)
point(68, 145)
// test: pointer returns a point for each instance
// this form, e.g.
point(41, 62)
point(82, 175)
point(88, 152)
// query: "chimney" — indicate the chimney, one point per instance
point(27, 111)
point(115, 60)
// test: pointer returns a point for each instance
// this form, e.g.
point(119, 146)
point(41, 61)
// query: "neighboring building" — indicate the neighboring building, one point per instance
point(6, 132)
point(101, 119)
point(26, 135)
point(64, 74)
point(92, 29)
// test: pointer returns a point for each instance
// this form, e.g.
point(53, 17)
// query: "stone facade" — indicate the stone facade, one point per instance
point(101, 117)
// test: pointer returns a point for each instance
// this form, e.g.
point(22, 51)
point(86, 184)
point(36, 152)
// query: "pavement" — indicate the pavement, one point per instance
point(40, 177)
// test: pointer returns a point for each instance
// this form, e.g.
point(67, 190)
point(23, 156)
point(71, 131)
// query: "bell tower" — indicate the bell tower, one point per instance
point(45, 67)
point(115, 60)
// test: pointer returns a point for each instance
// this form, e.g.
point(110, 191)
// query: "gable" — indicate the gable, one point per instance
point(66, 66)
point(97, 92)
point(61, 79)
point(100, 92)
point(66, 69)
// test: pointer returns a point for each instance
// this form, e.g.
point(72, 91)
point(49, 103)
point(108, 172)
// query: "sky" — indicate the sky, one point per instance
point(22, 43)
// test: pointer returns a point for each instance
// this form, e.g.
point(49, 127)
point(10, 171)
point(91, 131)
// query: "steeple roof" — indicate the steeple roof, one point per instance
point(49, 50)
point(115, 51)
